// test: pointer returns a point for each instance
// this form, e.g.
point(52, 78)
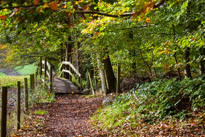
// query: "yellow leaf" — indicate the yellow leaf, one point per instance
point(139, 19)
point(45, 5)
point(36, 2)
point(54, 6)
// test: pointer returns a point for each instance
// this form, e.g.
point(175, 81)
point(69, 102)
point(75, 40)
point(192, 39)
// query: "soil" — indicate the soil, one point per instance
point(68, 116)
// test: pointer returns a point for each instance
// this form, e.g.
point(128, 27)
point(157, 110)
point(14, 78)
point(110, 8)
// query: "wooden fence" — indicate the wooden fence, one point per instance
point(4, 100)
point(48, 73)
point(44, 68)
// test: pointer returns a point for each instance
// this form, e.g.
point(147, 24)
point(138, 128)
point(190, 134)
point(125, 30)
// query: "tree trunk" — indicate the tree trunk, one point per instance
point(61, 53)
point(175, 56)
point(187, 70)
point(132, 54)
point(146, 63)
point(68, 56)
point(110, 75)
point(202, 62)
point(102, 75)
point(155, 72)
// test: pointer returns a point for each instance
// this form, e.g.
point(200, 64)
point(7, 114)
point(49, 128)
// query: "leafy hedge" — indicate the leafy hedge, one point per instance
point(151, 102)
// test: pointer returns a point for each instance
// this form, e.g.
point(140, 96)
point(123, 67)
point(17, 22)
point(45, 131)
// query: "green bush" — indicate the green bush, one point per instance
point(151, 102)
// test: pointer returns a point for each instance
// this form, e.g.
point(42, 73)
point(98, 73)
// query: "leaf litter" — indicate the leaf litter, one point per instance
point(68, 116)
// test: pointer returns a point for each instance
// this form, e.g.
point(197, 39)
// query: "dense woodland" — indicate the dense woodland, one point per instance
point(158, 46)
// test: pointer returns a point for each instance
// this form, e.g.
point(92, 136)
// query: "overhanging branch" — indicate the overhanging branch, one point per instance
point(156, 5)
point(104, 14)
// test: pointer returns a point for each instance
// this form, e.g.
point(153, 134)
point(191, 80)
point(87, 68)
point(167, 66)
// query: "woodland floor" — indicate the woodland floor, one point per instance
point(68, 116)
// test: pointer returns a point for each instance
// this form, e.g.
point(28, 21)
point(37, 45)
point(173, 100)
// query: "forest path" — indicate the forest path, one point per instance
point(68, 116)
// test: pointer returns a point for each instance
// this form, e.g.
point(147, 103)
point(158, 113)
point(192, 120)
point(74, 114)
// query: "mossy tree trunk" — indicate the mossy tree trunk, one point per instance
point(111, 80)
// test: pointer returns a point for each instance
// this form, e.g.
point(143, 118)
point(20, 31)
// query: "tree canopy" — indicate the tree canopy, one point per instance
point(142, 35)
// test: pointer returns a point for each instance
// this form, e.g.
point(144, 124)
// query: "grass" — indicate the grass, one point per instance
point(40, 112)
point(2, 74)
point(39, 95)
point(91, 96)
point(25, 70)
point(10, 81)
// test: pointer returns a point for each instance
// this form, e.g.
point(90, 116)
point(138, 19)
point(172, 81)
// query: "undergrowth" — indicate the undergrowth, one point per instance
point(151, 103)
point(39, 95)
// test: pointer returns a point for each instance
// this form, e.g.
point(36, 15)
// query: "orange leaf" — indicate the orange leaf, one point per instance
point(147, 20)
point(54, 6)
point(36, 2)
point(38, 10)
point(2, 17)
point(63, 6)
point(87, 8)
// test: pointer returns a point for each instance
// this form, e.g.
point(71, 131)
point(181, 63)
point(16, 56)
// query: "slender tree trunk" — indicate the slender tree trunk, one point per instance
point(149, 67)
point(110, 75)
point(175, 56)
point(202, 62)
point(132, 54)
point(78, 57)
point(68, 56)
point(102, 75)
point(187, 70)
point(155, 72)
point(61, 53)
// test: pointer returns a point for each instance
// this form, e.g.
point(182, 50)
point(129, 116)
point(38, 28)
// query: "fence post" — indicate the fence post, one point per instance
point(40, 66)
point(32, 82)
point(118, 80)
point(70, 77)
point(18, 105)
point(91, 85)
point(79, 81)
point(26, 95)
point(4, 111)
point(33, 77)
point(36, 80)
point(45, 69)
point(51, 79)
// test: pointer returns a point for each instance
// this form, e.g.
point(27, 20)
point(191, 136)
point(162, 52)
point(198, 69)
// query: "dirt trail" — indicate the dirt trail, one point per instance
point(68, 116)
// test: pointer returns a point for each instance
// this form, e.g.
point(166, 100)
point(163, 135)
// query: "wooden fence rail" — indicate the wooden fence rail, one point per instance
point(47, 70)
point(64, 70)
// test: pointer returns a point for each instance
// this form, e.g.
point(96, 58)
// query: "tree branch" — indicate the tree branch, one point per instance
point(96, 12)
point(105, 14)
